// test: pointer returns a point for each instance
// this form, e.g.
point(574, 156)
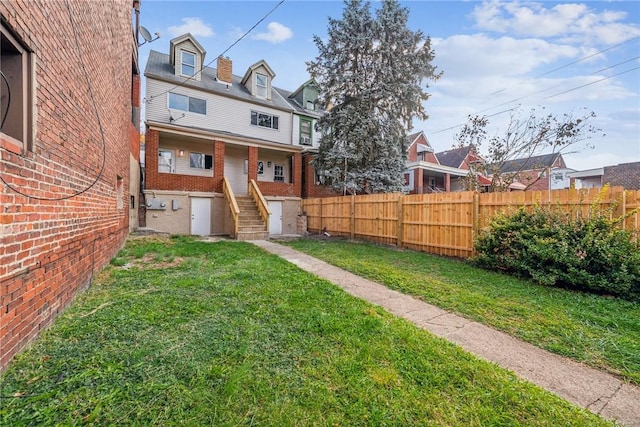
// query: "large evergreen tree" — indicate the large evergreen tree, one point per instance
point(371, 73)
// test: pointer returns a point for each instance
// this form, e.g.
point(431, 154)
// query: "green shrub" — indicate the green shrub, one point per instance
point(590, 254)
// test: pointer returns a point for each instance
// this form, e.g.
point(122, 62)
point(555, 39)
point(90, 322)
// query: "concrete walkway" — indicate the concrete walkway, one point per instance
point(597, 391)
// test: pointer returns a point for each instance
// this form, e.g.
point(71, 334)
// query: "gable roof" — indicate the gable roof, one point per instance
point(252, 68)
point(421, 148)
point(310, 82)
point(173, 42)
point(453, 157)
point(159, 67)
point(289, 97)
point(530, 163)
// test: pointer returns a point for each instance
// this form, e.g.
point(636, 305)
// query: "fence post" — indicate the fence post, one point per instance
point(400, 229)
point(353, 217)
point(476, 220)
point(321, 228)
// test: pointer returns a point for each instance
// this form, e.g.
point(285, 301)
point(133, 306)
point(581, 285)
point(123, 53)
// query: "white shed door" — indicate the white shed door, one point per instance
point(200, 216)
point(275, 219)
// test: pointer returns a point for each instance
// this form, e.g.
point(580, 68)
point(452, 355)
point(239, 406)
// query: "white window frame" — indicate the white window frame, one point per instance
point(278, 177)
point(189, 104)
point(186, 54)
point(306, 137)
point(172, 163)
point(17, 65)
point(201, 161)
point(273, 120)
point(262, 90)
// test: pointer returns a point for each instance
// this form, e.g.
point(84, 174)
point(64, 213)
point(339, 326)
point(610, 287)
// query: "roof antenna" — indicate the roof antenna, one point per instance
point(146, 35)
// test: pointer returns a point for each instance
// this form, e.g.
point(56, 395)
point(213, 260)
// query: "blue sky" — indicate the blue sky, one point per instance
point(563, 56)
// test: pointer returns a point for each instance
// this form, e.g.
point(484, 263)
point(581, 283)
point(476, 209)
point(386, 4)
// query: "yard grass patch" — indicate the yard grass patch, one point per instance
point(600, 331)
point(195, 333)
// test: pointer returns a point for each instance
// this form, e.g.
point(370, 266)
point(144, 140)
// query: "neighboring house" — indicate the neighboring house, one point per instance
point(306, 114)
point(426, 173)
point(626, 175)
point(215, 140)
point(462, 158)
point(559, 178)
point(532, 173)
point(69, 144)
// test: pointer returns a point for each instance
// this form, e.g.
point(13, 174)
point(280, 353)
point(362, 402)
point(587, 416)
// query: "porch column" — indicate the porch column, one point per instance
point(253, 164)
point(447, 182)
point(152, 142)
point(419, 181)
point(218, 159)
point(297, 174)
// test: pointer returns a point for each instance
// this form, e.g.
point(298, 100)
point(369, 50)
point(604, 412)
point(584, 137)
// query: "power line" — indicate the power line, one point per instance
point(591, 83)
point(151, 98)
point(555, 86)
point(550, 96)
point(574, 62)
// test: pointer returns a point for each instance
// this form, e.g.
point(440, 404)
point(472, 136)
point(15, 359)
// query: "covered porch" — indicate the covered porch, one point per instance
point(426, 177)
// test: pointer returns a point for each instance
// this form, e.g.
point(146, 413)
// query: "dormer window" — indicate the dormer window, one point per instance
point(262, 82)
point(311, 105)
point(188, 63)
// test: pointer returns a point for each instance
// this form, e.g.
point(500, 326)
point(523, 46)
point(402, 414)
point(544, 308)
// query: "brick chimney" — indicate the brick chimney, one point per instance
point(224, 69)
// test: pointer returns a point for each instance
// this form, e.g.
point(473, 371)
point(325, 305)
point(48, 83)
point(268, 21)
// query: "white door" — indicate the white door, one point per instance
point(235, 170)
point(200, 216)
point(275, 219)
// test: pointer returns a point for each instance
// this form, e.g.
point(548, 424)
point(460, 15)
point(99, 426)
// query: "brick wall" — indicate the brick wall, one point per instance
point(50, 250)
point(310, 188)
point(155, 180)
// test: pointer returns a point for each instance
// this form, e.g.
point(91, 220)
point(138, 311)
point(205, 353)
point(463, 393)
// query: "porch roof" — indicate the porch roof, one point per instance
point(220, 135)
point(433, 167)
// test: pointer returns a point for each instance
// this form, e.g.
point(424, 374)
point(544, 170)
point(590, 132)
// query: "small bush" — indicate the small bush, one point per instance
point(590, 254)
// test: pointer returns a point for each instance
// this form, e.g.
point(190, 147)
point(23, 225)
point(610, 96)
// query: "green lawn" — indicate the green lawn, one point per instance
point(600, 331)
point(178, 331)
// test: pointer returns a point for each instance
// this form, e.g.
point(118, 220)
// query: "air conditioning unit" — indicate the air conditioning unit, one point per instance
point(305, 140)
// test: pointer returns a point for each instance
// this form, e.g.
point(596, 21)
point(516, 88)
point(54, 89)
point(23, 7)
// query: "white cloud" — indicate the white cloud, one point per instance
point(576, 21)
point(479, 55)
point(276, 33)
point(195, 26)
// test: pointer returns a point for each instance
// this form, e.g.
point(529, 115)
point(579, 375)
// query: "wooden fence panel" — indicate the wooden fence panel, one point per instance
point(312, 208)
point(376, 217)
point(445, 223)
point(439, 223)
point(632, 212)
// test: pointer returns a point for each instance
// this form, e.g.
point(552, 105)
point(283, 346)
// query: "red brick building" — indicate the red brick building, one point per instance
point(68, 143)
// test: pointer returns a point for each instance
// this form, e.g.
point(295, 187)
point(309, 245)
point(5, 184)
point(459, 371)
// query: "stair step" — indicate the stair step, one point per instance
point(253, 235)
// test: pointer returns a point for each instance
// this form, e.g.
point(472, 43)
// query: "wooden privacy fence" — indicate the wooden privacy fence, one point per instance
point(446, 223)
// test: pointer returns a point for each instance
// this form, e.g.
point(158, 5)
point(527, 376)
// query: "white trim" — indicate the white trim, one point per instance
point(437, 168)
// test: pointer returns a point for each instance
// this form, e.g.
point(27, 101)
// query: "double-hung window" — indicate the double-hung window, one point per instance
point(305, 131)
point(264, 120)
point(187, 103)
point(16, 90)
point(262, 82)
point(188, 63)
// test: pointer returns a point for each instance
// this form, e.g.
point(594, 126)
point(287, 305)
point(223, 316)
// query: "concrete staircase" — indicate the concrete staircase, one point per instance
point(251, 226)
